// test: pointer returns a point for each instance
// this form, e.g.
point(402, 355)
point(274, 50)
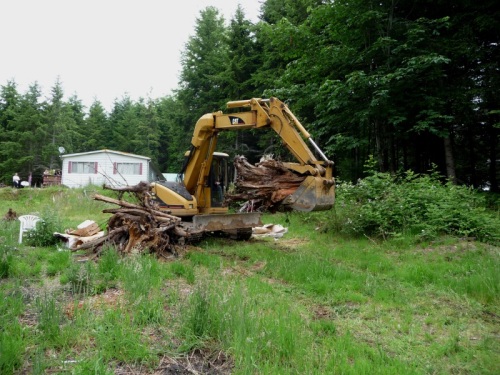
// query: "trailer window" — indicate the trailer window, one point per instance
point(128, 168)
point(82, 167)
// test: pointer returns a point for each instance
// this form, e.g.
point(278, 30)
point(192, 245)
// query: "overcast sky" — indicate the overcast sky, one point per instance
point(101, 49)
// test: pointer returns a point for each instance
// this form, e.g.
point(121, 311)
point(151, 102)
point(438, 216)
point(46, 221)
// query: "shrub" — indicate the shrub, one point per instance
point(43, 234)
point(385, 205)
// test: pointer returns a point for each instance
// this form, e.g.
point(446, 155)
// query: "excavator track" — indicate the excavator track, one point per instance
point(240, 234)
point(195, 237)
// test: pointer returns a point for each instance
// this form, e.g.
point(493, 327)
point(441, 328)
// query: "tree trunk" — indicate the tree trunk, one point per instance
point(493, 159)
point(450, 161)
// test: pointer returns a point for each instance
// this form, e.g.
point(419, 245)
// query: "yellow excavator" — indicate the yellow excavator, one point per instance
point(198, 194)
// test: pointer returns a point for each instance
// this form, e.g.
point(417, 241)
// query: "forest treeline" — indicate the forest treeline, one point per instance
point(415, 83)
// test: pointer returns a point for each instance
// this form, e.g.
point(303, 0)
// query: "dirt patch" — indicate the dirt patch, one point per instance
point(110, 298)
point(322, 312)
point(457, 247)
point(289, 245)
point(199, 361)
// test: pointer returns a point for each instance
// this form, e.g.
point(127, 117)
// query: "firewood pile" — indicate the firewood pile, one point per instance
point(138, 227)
point(264, 185)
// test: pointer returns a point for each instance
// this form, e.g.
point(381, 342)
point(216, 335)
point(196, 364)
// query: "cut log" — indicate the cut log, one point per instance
point(141, 187)
point(118, 202)
point(101, 240)
point(86, 231)
point(141, 211)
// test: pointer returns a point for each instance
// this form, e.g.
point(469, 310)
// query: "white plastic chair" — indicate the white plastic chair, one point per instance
point(27, 222)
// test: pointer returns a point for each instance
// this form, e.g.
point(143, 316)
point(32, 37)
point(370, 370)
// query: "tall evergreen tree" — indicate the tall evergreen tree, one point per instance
point(244, 60)
point(151, 129)
point(9, 136)
point(146, 128)
point(57, 127)
point(76, 129)
point(124, 126)
point(174, 139)
point(9, 101)
point(96, 128)
point(202, 79)
point(28, 124)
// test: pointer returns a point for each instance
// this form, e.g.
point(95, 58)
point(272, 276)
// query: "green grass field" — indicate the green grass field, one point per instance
point(311, 302)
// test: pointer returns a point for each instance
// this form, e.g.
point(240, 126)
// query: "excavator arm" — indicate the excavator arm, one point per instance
point(275, 114)
point(317, 192)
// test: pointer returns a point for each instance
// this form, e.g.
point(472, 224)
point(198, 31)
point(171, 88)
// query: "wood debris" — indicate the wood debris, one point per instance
point(135, 228)
point(270, 230)
point(263, 186)
point(86, 229)
point(85, 232)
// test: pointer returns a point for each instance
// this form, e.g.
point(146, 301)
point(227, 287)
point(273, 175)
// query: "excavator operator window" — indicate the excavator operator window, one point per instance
point(218, 180)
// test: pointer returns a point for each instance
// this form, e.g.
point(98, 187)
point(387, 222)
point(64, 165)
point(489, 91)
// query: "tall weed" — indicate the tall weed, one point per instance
point(108, 269)
point(58, 261)
point(6, 260)
point(80, 277)
point(12, 346)
point(49, 319)
point(117, 339)
point(262, 329)
point(12, 337)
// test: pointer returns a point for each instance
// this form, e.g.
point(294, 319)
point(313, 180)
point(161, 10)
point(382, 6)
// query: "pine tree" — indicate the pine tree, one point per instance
point(202, 80)
point(97, 129)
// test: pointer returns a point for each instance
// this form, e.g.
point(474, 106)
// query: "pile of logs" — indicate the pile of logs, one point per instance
point(264, 185)
point(138, 227)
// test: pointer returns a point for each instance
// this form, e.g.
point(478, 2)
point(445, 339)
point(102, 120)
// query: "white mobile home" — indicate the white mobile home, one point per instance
point(108, 167)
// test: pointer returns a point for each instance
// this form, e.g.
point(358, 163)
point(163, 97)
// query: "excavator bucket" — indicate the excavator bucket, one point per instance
point(314, 194)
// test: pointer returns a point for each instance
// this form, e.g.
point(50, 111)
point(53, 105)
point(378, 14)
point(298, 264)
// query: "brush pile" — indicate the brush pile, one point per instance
point(138, 227)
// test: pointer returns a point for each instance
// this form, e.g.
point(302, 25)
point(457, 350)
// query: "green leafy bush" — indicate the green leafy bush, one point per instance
point(385, 205)
point(43, 234)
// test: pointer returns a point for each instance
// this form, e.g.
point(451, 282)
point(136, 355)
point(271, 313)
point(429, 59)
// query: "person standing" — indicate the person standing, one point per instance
point(16, 181)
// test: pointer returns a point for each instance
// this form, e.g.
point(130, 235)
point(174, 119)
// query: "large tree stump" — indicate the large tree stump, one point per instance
point(264, 185)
